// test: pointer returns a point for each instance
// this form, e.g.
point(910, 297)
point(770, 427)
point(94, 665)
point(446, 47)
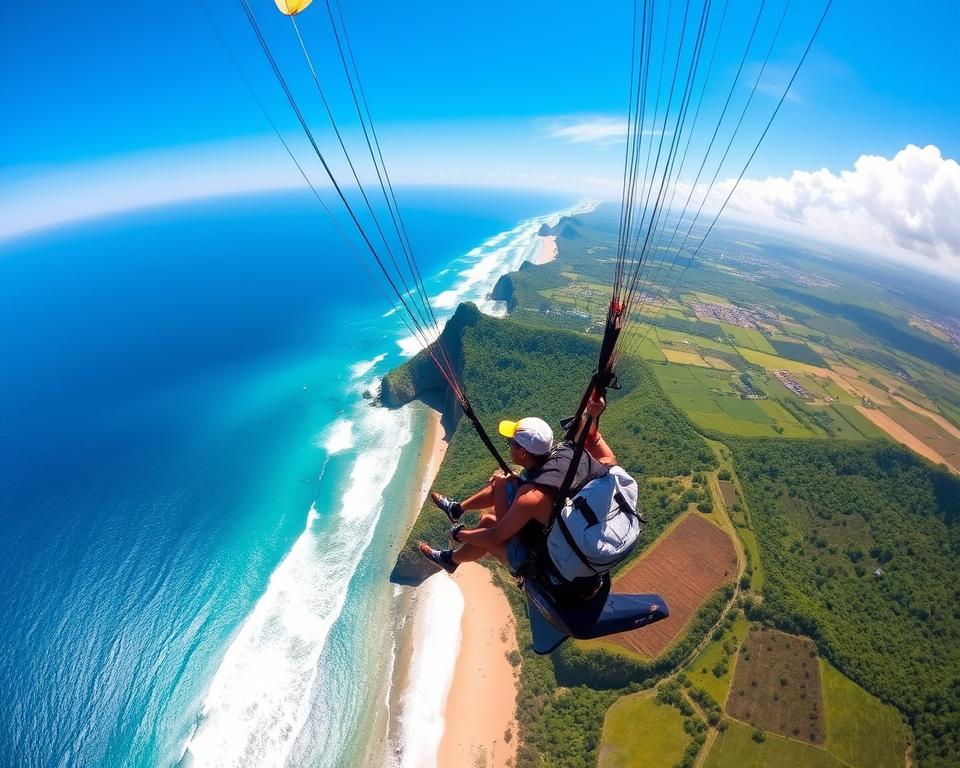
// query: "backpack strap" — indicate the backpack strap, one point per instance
point(586, 510)
point(573, 544)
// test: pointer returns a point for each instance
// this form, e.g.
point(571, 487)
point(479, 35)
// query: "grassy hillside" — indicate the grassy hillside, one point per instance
point(861, 731)
point(741, 746)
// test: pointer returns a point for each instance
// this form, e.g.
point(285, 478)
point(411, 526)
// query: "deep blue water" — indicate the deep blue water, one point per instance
point(164, 379)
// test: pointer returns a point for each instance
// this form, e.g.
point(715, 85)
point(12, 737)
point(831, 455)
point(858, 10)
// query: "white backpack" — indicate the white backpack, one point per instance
point(597, 528)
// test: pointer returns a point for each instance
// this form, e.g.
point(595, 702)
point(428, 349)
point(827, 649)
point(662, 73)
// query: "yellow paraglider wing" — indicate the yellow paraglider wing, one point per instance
point(292, 7)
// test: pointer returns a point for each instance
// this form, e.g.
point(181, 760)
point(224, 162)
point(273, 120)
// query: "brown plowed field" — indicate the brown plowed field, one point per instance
point(685, 567)
point(777, 686)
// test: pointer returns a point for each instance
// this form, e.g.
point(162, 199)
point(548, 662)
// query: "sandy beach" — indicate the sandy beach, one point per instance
point(548, 250)
point(481, 702)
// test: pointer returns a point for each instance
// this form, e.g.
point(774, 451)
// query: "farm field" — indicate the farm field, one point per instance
point(936, 418)
point(749, 337)
point(861, 730)
point(901, 434)
point(712, 403)
point(701, 342)
point(794, 350)
point(640, 733)
point(729, 492)
point(776, 686)
point(685, 566)
point(850, 423)
point(773, 362)
point(719, 364)
point(735, 748)
point(933, 435)
point(683, 357)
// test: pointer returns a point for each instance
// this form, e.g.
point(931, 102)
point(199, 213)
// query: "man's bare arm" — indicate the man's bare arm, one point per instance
point(595, 445)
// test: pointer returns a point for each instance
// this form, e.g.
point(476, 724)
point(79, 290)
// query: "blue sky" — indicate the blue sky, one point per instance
point(457, 89)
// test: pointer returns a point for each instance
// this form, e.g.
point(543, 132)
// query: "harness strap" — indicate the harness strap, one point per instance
point(484, 437)
point(627, 509)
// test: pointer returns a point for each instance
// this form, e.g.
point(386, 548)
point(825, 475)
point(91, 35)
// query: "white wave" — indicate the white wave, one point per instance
point(498, 255)
point(445, 300)
point(389, 312)
point(437, 636)
point(365, 366)
point(410, 345)
point(337, 438)
point(259, 699)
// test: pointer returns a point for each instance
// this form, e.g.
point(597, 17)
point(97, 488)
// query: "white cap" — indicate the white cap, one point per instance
point(532, 434)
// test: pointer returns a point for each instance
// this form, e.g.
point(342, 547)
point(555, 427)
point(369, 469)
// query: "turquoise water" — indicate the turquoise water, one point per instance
point(199, 506)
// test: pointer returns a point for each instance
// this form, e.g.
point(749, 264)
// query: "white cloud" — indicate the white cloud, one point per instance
point(587, 130)
point(907, 205)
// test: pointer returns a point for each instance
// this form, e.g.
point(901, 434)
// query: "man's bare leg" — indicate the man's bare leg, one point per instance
point(470, 553)
point(482, 499)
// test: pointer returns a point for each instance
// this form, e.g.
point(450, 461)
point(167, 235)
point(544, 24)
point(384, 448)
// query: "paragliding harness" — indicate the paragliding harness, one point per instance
point(583, 606)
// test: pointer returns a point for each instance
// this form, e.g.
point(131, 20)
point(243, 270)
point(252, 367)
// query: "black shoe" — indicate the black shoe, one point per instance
point(441, 557)
point(450, 508)
point(455, 532)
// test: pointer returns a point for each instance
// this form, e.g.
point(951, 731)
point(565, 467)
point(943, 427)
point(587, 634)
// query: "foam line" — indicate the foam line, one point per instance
point(259, 699)
point(485, 264)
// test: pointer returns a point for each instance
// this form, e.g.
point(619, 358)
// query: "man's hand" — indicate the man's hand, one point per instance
point(500, 476)
point(595, 407)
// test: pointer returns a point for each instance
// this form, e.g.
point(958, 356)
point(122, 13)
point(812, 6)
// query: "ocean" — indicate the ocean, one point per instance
point(200, 506)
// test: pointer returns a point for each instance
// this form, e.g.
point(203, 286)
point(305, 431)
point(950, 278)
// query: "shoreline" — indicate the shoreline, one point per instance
point(479, 705)
point(433, 448)
point(548, 250)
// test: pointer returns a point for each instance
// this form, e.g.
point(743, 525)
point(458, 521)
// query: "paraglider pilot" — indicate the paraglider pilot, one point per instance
point(521, 505)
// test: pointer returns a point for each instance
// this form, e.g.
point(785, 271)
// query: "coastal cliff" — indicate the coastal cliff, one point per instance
point(561, 229)
point(419, 377)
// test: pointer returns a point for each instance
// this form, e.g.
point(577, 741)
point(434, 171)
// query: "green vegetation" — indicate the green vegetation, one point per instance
point(827, 515)
point(713, 668)
point(891, 332)
point(755, 564)
point(795, 351)
point(674, 695)
point(861, 731)
point(736, 747)
point(688, 327)
point(714, 404)
point(639, 732)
